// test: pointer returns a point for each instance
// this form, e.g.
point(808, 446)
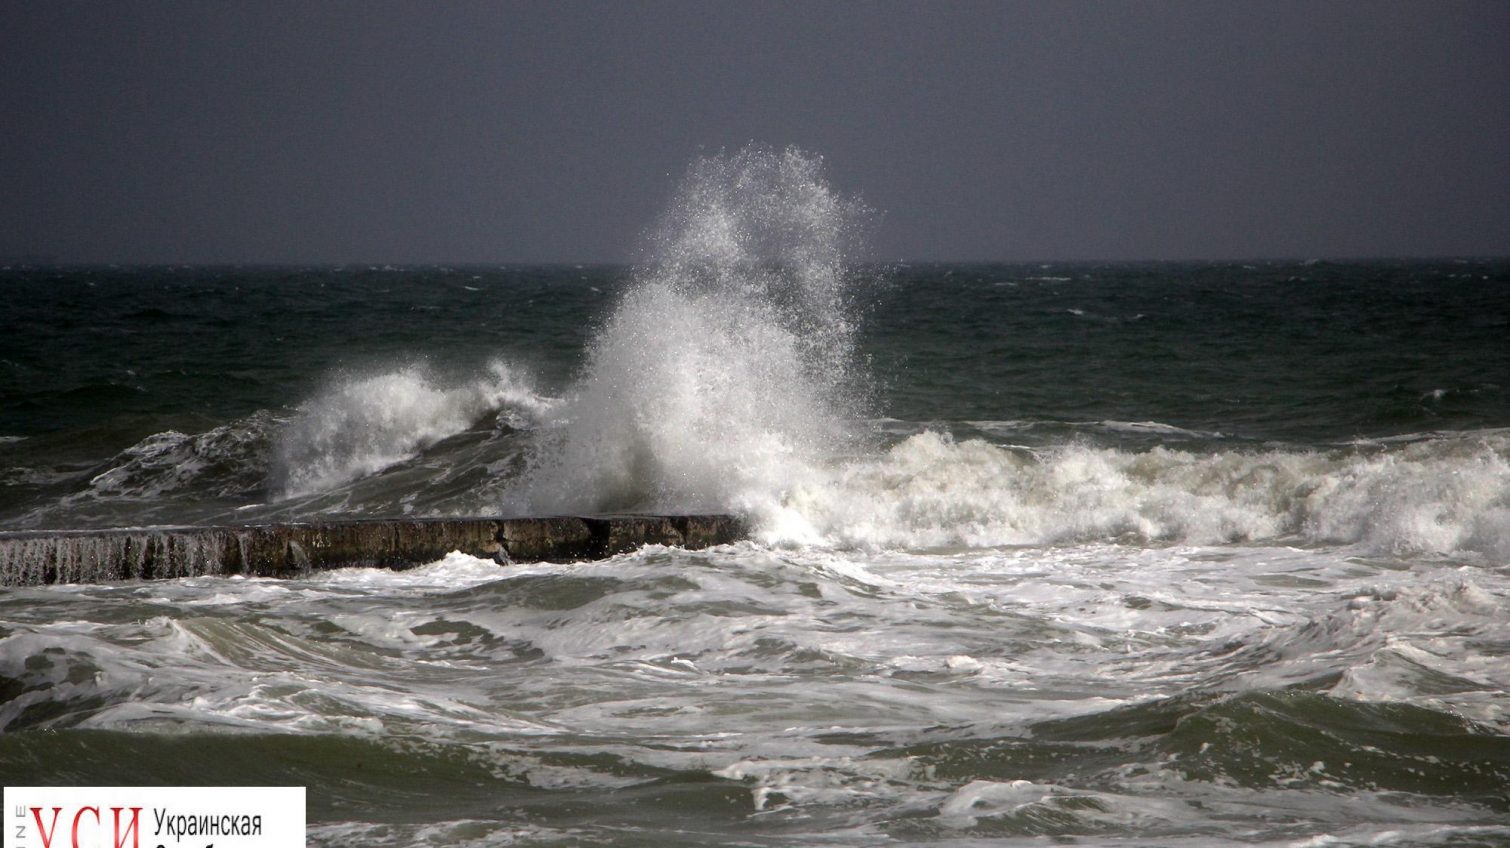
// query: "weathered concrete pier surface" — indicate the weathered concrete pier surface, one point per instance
point(35, 557)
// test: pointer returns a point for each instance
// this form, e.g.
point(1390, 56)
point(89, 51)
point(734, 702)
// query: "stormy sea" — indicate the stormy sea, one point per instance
point(1134, 554)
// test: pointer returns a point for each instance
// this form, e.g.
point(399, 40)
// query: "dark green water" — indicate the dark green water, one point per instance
point(97, 365)
point(1137, 554)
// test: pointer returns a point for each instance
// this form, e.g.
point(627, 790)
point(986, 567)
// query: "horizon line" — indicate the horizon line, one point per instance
point(43, 261)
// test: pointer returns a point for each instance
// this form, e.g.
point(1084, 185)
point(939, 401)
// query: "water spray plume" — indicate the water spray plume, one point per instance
point(728, 368)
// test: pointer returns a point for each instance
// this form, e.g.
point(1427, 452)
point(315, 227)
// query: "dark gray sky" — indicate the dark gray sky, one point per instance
point(457, 132)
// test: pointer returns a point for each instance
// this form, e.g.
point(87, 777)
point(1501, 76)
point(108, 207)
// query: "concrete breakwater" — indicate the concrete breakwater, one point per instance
point(35, 557)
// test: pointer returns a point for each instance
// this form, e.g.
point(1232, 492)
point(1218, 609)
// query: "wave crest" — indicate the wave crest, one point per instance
point(1440, 496)
point(361, 425)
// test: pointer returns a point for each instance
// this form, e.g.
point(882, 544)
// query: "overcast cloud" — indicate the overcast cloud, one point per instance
point(502, 132)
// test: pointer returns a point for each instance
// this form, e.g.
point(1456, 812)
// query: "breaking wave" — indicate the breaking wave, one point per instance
point(1434, 496)
point(361, 425)
point(228, 461)
point(727, 379)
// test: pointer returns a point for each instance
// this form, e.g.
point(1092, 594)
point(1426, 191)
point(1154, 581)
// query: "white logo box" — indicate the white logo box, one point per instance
point(152, 816)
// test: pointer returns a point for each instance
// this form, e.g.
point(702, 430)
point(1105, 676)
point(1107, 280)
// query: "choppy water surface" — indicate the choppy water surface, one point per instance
point(1157, 554)
point(1154, 695)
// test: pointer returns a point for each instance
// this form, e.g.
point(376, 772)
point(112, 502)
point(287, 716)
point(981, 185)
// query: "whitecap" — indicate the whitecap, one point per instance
point(359, 425)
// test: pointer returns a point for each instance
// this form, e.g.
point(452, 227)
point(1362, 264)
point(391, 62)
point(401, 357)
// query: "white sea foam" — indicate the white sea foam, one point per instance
point(360, 425)
point(726, 379)
point(726, 368)
point(1441, 496)
point(837, 686)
